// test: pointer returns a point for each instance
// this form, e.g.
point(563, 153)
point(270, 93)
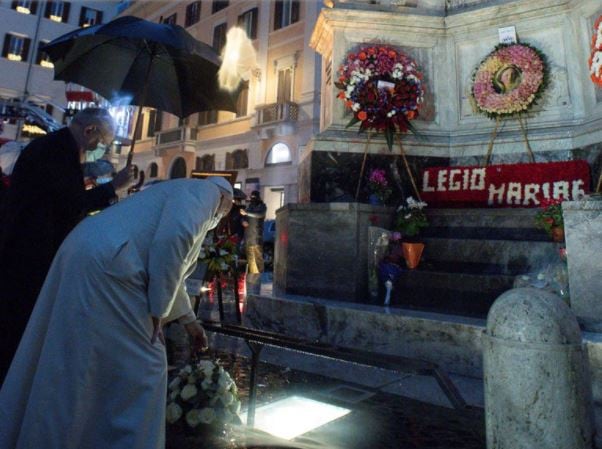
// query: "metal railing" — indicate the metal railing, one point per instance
point(176, 135)
point(277, 112)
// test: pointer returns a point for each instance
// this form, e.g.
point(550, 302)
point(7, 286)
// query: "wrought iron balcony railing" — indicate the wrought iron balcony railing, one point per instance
point(176, 135)
point(277, 112)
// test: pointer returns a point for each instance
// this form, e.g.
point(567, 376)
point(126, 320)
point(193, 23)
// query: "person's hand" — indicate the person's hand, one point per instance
point(243, 212)
point(157, 331)
point(125, 177)
point(199, 338)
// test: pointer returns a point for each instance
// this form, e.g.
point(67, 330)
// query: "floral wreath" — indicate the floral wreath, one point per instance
point(383, 88)
point(509, 80)
point(595, 60)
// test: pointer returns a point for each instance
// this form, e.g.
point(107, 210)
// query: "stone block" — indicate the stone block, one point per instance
point(322, 249)
point(583, 235)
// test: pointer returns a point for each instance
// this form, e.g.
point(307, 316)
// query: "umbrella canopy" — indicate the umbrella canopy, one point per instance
point(156, 65)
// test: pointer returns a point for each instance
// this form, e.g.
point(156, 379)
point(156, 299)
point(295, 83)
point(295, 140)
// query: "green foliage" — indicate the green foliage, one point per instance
point(410, 218)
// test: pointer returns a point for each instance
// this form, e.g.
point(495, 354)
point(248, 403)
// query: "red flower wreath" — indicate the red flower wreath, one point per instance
point(595, 60)
point(383, 88)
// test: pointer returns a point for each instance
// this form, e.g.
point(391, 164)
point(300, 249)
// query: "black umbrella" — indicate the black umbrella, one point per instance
point(157, 65)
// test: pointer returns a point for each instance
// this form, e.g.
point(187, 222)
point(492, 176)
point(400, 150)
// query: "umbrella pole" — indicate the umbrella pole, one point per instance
point(142, 100)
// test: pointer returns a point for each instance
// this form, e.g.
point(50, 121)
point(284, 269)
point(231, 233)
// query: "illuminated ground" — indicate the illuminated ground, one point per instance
point(376, 421)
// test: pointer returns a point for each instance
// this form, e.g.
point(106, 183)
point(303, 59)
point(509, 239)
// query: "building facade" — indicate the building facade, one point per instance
point(27, 74)
point(278, 109)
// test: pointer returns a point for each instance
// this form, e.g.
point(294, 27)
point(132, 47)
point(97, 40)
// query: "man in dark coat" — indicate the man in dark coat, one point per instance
point(44, 202)
point(253, 218)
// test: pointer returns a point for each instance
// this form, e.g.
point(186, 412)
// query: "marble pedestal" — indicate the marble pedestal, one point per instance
point(321, 249)
point(583, 234)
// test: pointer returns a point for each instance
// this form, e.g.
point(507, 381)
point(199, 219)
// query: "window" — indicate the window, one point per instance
point(171, 20)
point(219, 37)
point(16, 48)
point(153, 169)
point(280, 153)
point(193, 13)
point(154, 122)
point(242, 100)
point(285, 85)
point(285, 13)
point(25, 6)
point(218, 6)
point(57, 11)
point(89, 17)
point(237, 160)
point(248, 22)
point(205, 163)
point(178, 169)
point(207, 118)
point(42, 58)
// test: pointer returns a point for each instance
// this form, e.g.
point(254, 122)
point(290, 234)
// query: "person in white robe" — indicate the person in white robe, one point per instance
point(91, 368)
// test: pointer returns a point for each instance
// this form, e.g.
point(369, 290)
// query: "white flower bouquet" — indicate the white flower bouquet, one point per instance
point(202, 397)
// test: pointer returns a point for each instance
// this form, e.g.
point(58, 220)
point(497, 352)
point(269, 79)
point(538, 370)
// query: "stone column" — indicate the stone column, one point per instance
point(583, 235)
point(537, 387)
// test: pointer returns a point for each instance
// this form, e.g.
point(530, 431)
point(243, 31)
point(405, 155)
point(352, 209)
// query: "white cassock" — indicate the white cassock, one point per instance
point(85, 375)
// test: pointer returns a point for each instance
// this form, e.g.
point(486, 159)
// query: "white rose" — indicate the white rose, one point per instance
point(207, 415)
point(228, 417)
point(174, 384)
point(227, 398)
point(207, 367)
point(193, 417)
point(189, 391)
point(186, 370)
point(206, 384)
point(173, 412)
point(174, 394)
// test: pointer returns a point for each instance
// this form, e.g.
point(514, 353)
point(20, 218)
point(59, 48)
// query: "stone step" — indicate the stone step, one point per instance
point(510, 256)
point(458, 282)
point(483, 218)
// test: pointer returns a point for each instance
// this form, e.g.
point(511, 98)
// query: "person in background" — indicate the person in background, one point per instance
point(44, 202)
point(253, 218)
point(91, 369)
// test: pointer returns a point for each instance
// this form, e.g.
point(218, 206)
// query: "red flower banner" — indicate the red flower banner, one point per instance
point(510, 185)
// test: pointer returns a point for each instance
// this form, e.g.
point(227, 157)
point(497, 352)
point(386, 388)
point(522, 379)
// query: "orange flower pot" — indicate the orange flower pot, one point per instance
point(412, 253)
point(558, 234)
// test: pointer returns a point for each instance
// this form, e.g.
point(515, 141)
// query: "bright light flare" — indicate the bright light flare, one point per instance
point(238, 59)
point(294, 416)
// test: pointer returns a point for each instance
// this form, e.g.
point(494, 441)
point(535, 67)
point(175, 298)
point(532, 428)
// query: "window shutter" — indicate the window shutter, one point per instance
point(278, 15)
point(254, 20)
point(138, 130)
point(7, 38)
point(66, 7)
point(25, 51)
point(294, 11)
point(152, 117)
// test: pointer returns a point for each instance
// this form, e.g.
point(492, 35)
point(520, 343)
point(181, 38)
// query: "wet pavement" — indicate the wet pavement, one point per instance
point(379, 418)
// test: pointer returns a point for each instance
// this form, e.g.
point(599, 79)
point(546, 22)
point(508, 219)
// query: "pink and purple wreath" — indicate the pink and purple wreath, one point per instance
point(509, 80)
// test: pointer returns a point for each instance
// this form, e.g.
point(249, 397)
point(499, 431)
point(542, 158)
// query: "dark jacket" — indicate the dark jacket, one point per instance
point(255, 216)
point(44, 202)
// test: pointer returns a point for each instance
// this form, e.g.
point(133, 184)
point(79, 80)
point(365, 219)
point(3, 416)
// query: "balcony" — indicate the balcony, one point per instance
point(184, 138)
point(276, 118)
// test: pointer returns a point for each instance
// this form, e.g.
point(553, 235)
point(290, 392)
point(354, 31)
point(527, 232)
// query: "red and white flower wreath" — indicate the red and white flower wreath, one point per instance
point(595, 60)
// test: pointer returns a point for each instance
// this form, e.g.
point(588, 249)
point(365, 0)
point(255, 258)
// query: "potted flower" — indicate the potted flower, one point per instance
point(202, 399)
point(409, 221)
point(379, 186)
point(549, 218)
